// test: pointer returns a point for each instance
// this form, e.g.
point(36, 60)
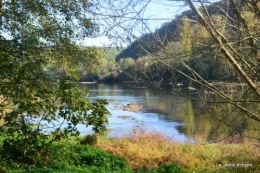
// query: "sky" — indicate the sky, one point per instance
point(157, 11)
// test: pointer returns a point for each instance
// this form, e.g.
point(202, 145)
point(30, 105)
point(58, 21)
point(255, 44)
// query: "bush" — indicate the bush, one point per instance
point(63, 157)
point(88, 156)
point(89, 139)
point(68, 169)
point(170, 168)
point(24, 141)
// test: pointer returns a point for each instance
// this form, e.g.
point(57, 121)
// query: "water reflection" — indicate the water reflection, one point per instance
point(154, 117)
point(180, 118)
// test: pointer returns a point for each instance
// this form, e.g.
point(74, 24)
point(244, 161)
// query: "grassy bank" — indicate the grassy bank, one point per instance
point(69, 156)
point(149, 151)
point(140, 152)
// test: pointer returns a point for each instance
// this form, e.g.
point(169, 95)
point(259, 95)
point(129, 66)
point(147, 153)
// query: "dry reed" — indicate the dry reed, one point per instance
point(150, 150)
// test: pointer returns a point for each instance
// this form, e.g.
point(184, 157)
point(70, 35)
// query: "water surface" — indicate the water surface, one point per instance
point(161, 111)
point(177, 117)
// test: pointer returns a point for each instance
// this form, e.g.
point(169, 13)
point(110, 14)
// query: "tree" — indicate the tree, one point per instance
point(35, 36)
point(185, 38)
point(228, 43)
point(126, 63)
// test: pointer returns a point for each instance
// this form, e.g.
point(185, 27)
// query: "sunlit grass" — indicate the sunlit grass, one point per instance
point(150, 150)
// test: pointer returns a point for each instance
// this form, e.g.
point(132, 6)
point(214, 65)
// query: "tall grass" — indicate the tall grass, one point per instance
point(151, 150)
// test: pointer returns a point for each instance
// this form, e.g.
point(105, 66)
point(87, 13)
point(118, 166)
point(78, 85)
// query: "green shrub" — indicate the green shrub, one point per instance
point(170, 168)
point(85, 155)
point(68, 169)
point(64, 157)
point(166, 168)
point(89, 139)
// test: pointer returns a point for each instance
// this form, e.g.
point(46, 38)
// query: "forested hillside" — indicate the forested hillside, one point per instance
point(167, 33)
point(185, 39)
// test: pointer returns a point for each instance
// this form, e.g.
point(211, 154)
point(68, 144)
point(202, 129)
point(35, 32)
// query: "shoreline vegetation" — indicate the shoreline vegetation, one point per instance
point(148, 151)
point(142, 152)
point(227, 87)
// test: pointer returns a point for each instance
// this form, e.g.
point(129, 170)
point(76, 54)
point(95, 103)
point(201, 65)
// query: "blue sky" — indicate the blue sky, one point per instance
point(157, 11)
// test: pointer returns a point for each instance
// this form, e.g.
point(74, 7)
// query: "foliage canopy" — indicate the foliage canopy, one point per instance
point(36, 36)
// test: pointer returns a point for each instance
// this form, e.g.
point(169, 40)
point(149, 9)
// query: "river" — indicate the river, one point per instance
point(177, 117)
point(160, 110)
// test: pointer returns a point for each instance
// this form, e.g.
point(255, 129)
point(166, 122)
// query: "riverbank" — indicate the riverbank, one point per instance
point(140, 152)
point(148, 151)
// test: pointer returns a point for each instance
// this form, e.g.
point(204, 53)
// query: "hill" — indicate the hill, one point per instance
point(168, 32)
